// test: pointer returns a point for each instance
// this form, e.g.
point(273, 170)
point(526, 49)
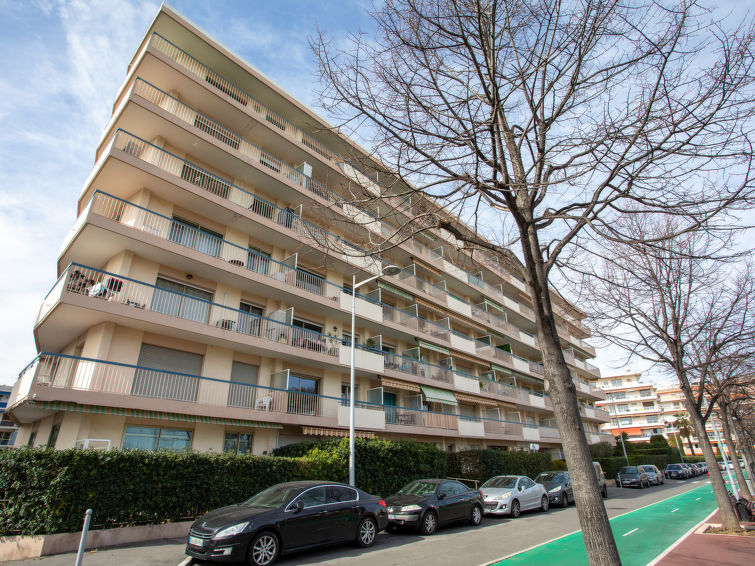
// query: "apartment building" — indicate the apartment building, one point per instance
point(633, 405)
point(205, 289)
point(8, 429)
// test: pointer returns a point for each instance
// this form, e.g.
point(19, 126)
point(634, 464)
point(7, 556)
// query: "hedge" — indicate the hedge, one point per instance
point(667, 456)
point(481, 465)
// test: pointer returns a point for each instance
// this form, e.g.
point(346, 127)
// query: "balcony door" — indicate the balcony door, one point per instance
point(181, 300)
point(194, 236)
point(167, 374)
point(241, 392)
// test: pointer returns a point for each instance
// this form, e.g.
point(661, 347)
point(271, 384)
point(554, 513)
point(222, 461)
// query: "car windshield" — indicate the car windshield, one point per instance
point(273, 497)
point(418, 487)
point(673, 466)
point(647, 469)
point(556, 477)
point(501, 481)
point(628, 470)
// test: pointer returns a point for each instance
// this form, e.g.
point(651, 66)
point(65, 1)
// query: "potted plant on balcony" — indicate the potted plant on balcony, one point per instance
point(369, 343)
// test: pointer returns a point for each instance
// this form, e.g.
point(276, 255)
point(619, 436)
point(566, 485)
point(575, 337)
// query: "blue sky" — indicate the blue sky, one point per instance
point(62, 64)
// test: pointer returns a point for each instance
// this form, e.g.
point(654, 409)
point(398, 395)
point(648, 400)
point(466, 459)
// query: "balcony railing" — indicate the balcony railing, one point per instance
point(311, 233)
point(60, 371)
point(101, 285)
point(204, 73)
point(135, 216)
point(258, 155)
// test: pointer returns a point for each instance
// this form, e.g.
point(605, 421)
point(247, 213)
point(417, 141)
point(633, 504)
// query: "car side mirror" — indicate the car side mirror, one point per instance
point(296, 507)
point(521, 488)
point(441, 495)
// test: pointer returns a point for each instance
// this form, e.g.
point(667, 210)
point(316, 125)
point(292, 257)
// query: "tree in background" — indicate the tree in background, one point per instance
point(685, 429)
point(538, 122)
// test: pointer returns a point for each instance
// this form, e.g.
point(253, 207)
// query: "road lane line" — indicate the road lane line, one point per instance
point(675, 510)
point(630, 532)
point(698, 499)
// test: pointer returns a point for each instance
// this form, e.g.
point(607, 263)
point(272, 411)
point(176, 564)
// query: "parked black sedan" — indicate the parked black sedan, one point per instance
point(426, 504)
point(285, 517)
point(558, 486)
point(675, 472)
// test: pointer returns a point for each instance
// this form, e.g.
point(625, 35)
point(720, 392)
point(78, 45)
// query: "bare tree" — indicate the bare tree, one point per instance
point(679, 304)
point(535, 122)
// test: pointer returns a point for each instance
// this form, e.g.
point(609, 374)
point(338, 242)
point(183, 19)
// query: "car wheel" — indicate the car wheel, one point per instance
point(544, 503)
point(429, 523)
point(515, 509)
point(604, 492)
point(367, 532)
point(475, 515)
point(564, 500)
point(264, 549)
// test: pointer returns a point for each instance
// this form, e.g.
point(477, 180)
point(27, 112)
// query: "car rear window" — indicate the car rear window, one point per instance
point(673, 466)
point(628, 470)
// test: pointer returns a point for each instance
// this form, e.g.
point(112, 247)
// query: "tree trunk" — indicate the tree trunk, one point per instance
point(593, 518)
point(729, 519)
point(744, 491)
point(747, 452)
point(691, 446)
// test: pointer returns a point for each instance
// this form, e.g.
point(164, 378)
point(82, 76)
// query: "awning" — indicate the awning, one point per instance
point(435, 395)
point(433, 347)
point(142, 414)
point(322, 431)
point(399, 384)
point(395, 291)
point(465, 398)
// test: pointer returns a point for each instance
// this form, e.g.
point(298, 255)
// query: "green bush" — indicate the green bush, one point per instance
point(559, 465)
point(481, 465)
point(602, 450)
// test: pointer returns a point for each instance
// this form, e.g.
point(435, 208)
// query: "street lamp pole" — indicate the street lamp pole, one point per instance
point(618, 422)
point(390, 270)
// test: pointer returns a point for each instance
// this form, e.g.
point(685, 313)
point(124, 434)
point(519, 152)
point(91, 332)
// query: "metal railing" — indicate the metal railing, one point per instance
point(206, 124)
point(102, 285)
point(205, 73)
point(134, 216)
point(309, 232)
point(87, 374)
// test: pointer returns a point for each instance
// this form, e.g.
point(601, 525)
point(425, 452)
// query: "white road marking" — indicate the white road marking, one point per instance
point(675, 510)
point(185, 561)
point(630, 532)
point(698, 499)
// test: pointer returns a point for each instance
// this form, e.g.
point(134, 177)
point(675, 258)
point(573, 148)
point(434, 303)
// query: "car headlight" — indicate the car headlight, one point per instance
point(233, 530)
point(410, 508)
point(555, 489)
point(503, 496)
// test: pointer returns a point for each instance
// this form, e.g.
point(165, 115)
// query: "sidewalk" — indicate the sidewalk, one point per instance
point(714, 550)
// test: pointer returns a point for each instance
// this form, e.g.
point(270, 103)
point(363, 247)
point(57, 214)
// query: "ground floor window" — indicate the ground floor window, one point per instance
point(154, 438)
point(237, 443)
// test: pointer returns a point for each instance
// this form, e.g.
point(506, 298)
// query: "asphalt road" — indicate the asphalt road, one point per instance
point(455, 545)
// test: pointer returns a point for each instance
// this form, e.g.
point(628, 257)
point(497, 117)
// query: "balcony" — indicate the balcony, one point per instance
point(53, 378)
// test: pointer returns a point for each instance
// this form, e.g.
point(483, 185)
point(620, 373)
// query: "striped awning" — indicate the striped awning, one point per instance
point(395, 291)
point(433, 347)
point(322, 431)
point(465, 398)
point(435, 395)
point(399, 384)
point(143, 414)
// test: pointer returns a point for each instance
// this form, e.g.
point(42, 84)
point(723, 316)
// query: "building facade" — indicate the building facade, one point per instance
point(204, 296)
point(633, 406)
point(8, 429)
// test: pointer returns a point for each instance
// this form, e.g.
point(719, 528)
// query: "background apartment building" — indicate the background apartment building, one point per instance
point(633, 406)
point(8, 429)
point(204, 294)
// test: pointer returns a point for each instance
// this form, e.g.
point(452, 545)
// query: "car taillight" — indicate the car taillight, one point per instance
point(382, 503)
point(481, 494)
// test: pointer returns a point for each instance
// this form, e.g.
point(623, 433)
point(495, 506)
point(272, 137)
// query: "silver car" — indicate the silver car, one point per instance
point(510, 495)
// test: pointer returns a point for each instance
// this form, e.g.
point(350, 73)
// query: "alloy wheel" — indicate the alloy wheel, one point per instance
point(264, 549)
point(367, 532)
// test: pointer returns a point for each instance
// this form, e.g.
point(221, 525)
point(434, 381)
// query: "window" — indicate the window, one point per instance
point(648, 405)
point(626, 420)
point(32, 438)
point(153, 438)
point(181, 300)
point(312, 497)
point(192, 235)
point(652, 419)
point(645, 393)
point(249, 323)
point(338, 494)
point(307, 325)
point(241, 391)
point(623, 408)
point(206, 180)
point(166, 373)
point(619, 395)
point(5, 438)
point(616, 383)
point(53, 438)
point(257, 260)
point(302, 397)
point(309, 281)
point(346, 394)
point(237, 443)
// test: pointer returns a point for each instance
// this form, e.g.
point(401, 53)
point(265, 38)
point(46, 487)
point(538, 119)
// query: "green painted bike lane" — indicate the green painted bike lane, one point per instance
point(641, 535)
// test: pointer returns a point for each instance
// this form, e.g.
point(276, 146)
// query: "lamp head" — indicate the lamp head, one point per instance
point(391, 270)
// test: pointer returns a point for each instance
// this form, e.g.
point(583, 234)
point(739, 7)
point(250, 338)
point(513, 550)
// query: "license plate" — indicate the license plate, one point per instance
point(194, 541)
